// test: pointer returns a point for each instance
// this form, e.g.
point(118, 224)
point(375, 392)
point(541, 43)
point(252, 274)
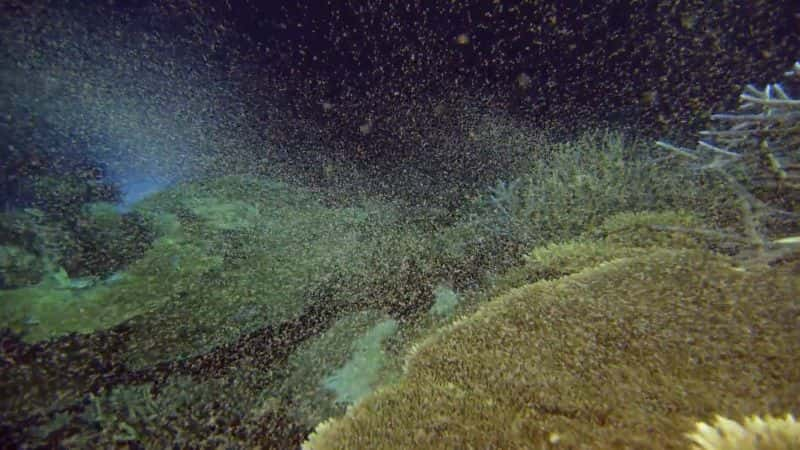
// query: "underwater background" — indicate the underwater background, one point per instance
point(399, 224)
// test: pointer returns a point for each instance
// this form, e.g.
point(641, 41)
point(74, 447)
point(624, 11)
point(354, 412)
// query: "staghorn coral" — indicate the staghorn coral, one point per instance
point(756, 151)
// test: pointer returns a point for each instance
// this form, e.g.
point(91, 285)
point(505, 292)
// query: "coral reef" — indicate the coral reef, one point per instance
point(627, 352)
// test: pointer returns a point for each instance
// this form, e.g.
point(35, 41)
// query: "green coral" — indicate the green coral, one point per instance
point(360, 375)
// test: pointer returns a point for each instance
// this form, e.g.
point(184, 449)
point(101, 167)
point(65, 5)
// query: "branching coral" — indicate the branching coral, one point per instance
point(769, 433)
point(756, 151)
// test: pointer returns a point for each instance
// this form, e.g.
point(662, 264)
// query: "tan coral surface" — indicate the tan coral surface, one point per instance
point(628, 354)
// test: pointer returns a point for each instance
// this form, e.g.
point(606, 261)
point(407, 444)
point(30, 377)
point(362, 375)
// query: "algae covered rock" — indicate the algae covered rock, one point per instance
point(19, 267)
point(107, 240)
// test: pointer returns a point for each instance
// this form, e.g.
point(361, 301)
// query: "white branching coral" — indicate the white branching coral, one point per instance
point(756, 433)
point(756, 150)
